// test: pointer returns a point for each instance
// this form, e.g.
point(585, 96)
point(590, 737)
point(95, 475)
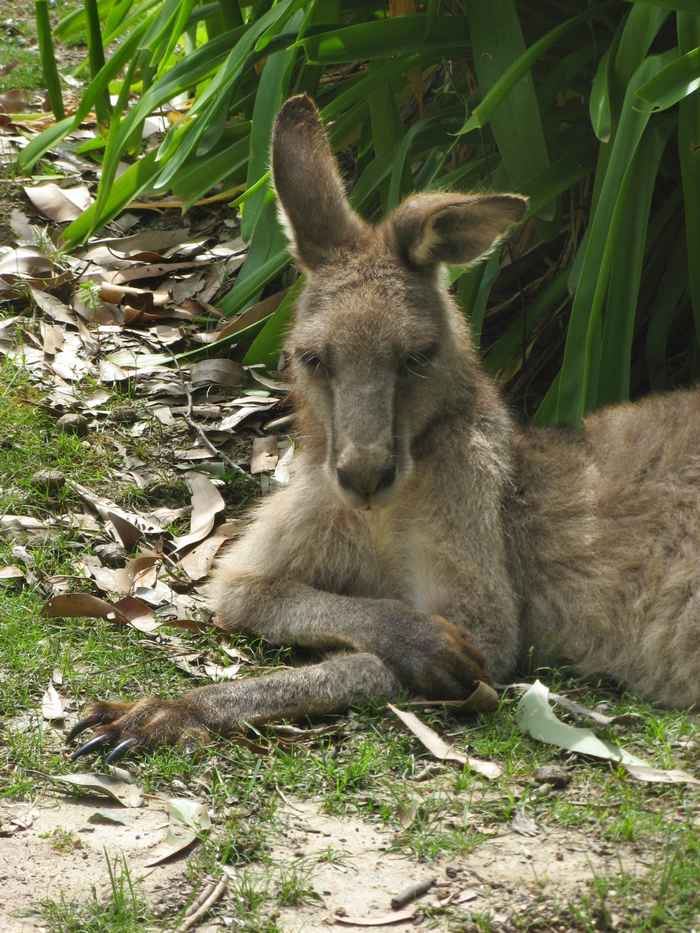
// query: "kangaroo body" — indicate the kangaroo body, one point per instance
point(426, 541)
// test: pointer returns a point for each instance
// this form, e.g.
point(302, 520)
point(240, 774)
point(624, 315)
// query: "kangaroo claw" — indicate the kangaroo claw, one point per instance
point(92, 745)
point(120, 750)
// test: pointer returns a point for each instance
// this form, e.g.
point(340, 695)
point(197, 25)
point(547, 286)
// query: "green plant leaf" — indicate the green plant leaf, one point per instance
point(627, 240)
point(497, 41)
point(267, 343)
point(599, 104)
point(577, 376)
point(128, 186)
point(399, 35)
point(689, 154)
point(679, 80)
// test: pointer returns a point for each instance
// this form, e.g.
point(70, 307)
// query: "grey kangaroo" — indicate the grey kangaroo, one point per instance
point(426, 542)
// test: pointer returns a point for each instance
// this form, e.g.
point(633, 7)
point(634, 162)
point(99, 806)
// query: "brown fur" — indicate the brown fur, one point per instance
point(416, 498)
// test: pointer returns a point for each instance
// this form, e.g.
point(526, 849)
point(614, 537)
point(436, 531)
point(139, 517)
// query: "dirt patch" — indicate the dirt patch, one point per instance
point(62, 853)
point(504, 873)
point(348, 863)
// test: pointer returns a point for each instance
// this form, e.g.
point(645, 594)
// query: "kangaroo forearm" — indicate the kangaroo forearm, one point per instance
point(329, 687)
point(289, 613)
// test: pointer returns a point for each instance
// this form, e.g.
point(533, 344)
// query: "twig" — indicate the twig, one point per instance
point(187, 415)
point(204, 906)
point(413, 893)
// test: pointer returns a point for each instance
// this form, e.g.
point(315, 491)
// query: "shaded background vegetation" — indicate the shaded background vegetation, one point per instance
point(588, 109)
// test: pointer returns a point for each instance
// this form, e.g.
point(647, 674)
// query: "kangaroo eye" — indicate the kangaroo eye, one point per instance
point(418, 360)
point(311, 361)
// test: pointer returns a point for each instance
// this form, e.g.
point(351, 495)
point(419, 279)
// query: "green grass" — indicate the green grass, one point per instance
point(125, 911)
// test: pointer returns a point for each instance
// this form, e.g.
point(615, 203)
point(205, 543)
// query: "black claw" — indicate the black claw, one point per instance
point(120, 750)
point(81, 726)
point(92, 746)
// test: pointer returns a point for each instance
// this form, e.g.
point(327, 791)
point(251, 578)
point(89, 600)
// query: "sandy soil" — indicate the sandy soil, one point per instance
point(61, 851)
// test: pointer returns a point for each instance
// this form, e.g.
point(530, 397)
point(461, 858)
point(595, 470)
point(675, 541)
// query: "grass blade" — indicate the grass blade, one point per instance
point(582, 348)
point(497, 41)
point(627, 240)
point(48, 58)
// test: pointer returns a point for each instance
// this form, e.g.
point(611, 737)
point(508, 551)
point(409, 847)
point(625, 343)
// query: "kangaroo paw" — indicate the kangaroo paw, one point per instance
point(125, 727)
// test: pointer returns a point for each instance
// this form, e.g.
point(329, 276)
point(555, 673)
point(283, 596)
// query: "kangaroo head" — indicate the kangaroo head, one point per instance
point(380, 355)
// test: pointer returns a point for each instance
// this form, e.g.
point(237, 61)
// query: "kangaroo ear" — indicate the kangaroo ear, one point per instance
point(313, 207)
point(453, 228)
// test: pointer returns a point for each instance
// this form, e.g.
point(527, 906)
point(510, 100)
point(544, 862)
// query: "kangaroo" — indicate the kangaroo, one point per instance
point(426, 541)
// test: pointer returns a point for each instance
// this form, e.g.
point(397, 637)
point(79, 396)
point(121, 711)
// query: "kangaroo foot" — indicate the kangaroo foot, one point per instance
point(125, 727)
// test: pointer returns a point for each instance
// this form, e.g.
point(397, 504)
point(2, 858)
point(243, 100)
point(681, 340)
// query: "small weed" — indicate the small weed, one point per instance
point(294, 886)
point(126, 910)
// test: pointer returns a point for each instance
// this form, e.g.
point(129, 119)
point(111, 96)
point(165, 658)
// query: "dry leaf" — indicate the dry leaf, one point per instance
point(206, 504)
point(659, 776)
point(82, 605)
point(379, 920)
point(523, 824)
point(11, 574)
point(52, 705)
point(128, 795)
point(197, 563)
point(440, 749)
point(59, 204)
point(220, 372)
point(191, 813)
point(264, 455)
point(57, 310)
point(138, 613)
point(177, 841)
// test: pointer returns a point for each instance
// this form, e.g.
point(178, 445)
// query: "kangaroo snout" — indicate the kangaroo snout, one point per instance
point(363, 473)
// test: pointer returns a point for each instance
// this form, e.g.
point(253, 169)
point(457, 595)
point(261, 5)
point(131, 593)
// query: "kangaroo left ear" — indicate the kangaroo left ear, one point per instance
point(453, 228)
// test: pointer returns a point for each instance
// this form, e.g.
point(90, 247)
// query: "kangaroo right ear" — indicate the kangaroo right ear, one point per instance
point(314, 209)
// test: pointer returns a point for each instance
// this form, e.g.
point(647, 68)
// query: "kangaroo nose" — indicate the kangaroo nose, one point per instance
point(366, 481)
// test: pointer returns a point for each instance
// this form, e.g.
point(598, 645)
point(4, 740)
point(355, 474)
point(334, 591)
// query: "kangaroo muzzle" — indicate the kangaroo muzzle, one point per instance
point(365, 463)
point(365, 472)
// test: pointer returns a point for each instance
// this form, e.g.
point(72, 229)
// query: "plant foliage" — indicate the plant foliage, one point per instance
point(591, 112)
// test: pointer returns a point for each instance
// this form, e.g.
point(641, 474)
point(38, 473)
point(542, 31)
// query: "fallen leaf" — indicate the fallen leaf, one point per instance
point(378, 920)
point(82, 605)
point(583, 712)
point(536, 718)
point(206, 504)
point(138, 613)
point(57, 310)
point(22, 226)
point(177, 841)
point(245, 411)
point(52, 705)
point(221, 372)
point(659, 776)
point(11, 574)
point(264, 456)
point(523, 824)
point(59, 204)
point(191, 813)
point(440, 749)
point(464, 896)
point(188, 820)
point(125, 530)
point(282, 471)
point(24, 260)
point(197, 563)
point(128, 795)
